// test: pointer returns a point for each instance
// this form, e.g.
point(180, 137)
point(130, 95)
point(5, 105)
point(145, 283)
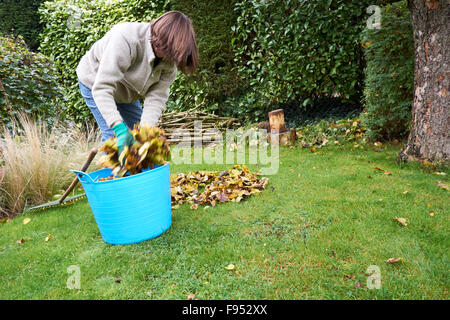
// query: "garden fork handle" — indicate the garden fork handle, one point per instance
point(83, 168)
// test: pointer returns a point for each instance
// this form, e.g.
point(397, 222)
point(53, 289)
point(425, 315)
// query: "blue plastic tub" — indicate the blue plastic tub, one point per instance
point(130, 209)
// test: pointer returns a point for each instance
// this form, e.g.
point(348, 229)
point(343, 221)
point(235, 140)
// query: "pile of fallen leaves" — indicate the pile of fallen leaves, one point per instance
point(149, 149)
point(229, 185)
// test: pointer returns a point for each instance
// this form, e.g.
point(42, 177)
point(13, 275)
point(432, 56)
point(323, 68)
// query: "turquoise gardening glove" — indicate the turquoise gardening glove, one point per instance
point(124, 137)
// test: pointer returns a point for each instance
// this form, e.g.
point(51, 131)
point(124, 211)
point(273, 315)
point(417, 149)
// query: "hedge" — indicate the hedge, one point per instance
point(216, 78)
point(27, 25)
point(389, 75)
point(291, 50)
point(28, 82)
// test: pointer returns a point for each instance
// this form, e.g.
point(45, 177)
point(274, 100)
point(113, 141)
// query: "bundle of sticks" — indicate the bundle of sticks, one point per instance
point(173, 121)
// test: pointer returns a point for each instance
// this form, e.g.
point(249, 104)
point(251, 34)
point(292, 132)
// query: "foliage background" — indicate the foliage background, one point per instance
point(389, 75)
point(216, 78)
point(29, 82)
point(300, 50)
point(257, 56)
point(27, 25)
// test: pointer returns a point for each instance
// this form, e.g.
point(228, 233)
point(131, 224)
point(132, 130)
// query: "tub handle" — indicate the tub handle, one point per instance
point(83, 176)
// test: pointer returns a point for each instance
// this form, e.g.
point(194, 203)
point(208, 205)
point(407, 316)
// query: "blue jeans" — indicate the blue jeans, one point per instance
point(130, 112)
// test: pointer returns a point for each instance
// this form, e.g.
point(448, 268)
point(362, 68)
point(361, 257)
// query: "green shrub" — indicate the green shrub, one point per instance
point(297, 50)
point(332, 133)
point(72, 27)
point(215, 78)
point(389, 73)
point(23, 17)
point(28, 82)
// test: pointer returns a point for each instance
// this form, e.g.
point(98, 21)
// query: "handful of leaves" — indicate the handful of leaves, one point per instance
point(149, 149)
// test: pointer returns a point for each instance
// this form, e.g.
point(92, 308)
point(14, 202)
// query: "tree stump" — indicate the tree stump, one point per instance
point(278, 132)
point(276, 121)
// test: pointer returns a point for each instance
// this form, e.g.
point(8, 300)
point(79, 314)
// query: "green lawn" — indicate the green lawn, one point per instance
point(312, 234)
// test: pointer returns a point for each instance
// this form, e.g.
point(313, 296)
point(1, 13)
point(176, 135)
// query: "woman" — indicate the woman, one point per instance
point(135, 61)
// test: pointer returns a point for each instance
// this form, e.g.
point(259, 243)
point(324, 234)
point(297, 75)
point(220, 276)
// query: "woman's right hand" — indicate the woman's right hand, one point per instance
point(124, 137)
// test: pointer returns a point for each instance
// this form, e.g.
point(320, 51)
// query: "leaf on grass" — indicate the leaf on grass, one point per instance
point(394, 260)
point(26, 220)
point(230, 267)
point(402, 221)
point(118, 280)
point(442, 185)
point(378, 144)
point(377, 168)
point(56, 196)
point(388, 173)
point(349, 276)
point(439, 173)
point(23, 240)
point(48, 237)
point(191, 296)
point(175, 207)
point(432, 213)
point(405, 192)
point(194, 206)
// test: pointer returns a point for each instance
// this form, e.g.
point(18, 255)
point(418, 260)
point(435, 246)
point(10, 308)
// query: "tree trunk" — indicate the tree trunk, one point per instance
point(428, 138)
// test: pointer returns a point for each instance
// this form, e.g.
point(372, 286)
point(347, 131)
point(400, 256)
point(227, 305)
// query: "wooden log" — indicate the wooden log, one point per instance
point(293, 135)
point(285, 138)
point(276, 121)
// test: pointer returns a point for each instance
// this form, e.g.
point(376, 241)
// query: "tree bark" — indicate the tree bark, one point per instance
point(428, 138)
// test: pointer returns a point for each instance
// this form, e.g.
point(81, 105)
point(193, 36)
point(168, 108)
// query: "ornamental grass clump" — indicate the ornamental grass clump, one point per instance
point(150, 148)
point(35, 161)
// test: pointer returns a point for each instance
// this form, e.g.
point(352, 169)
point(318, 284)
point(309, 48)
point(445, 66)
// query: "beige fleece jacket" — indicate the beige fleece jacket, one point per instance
point(119, 69)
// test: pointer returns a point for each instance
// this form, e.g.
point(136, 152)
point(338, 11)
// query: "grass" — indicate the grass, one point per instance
point(323, 220)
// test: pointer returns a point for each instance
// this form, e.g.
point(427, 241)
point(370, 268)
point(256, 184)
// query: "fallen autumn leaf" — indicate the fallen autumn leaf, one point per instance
point(230, 267)
point(394, 260)
point(402, 221)
point(442, 185)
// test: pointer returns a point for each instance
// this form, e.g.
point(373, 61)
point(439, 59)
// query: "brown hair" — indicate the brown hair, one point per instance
point(174, 36)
